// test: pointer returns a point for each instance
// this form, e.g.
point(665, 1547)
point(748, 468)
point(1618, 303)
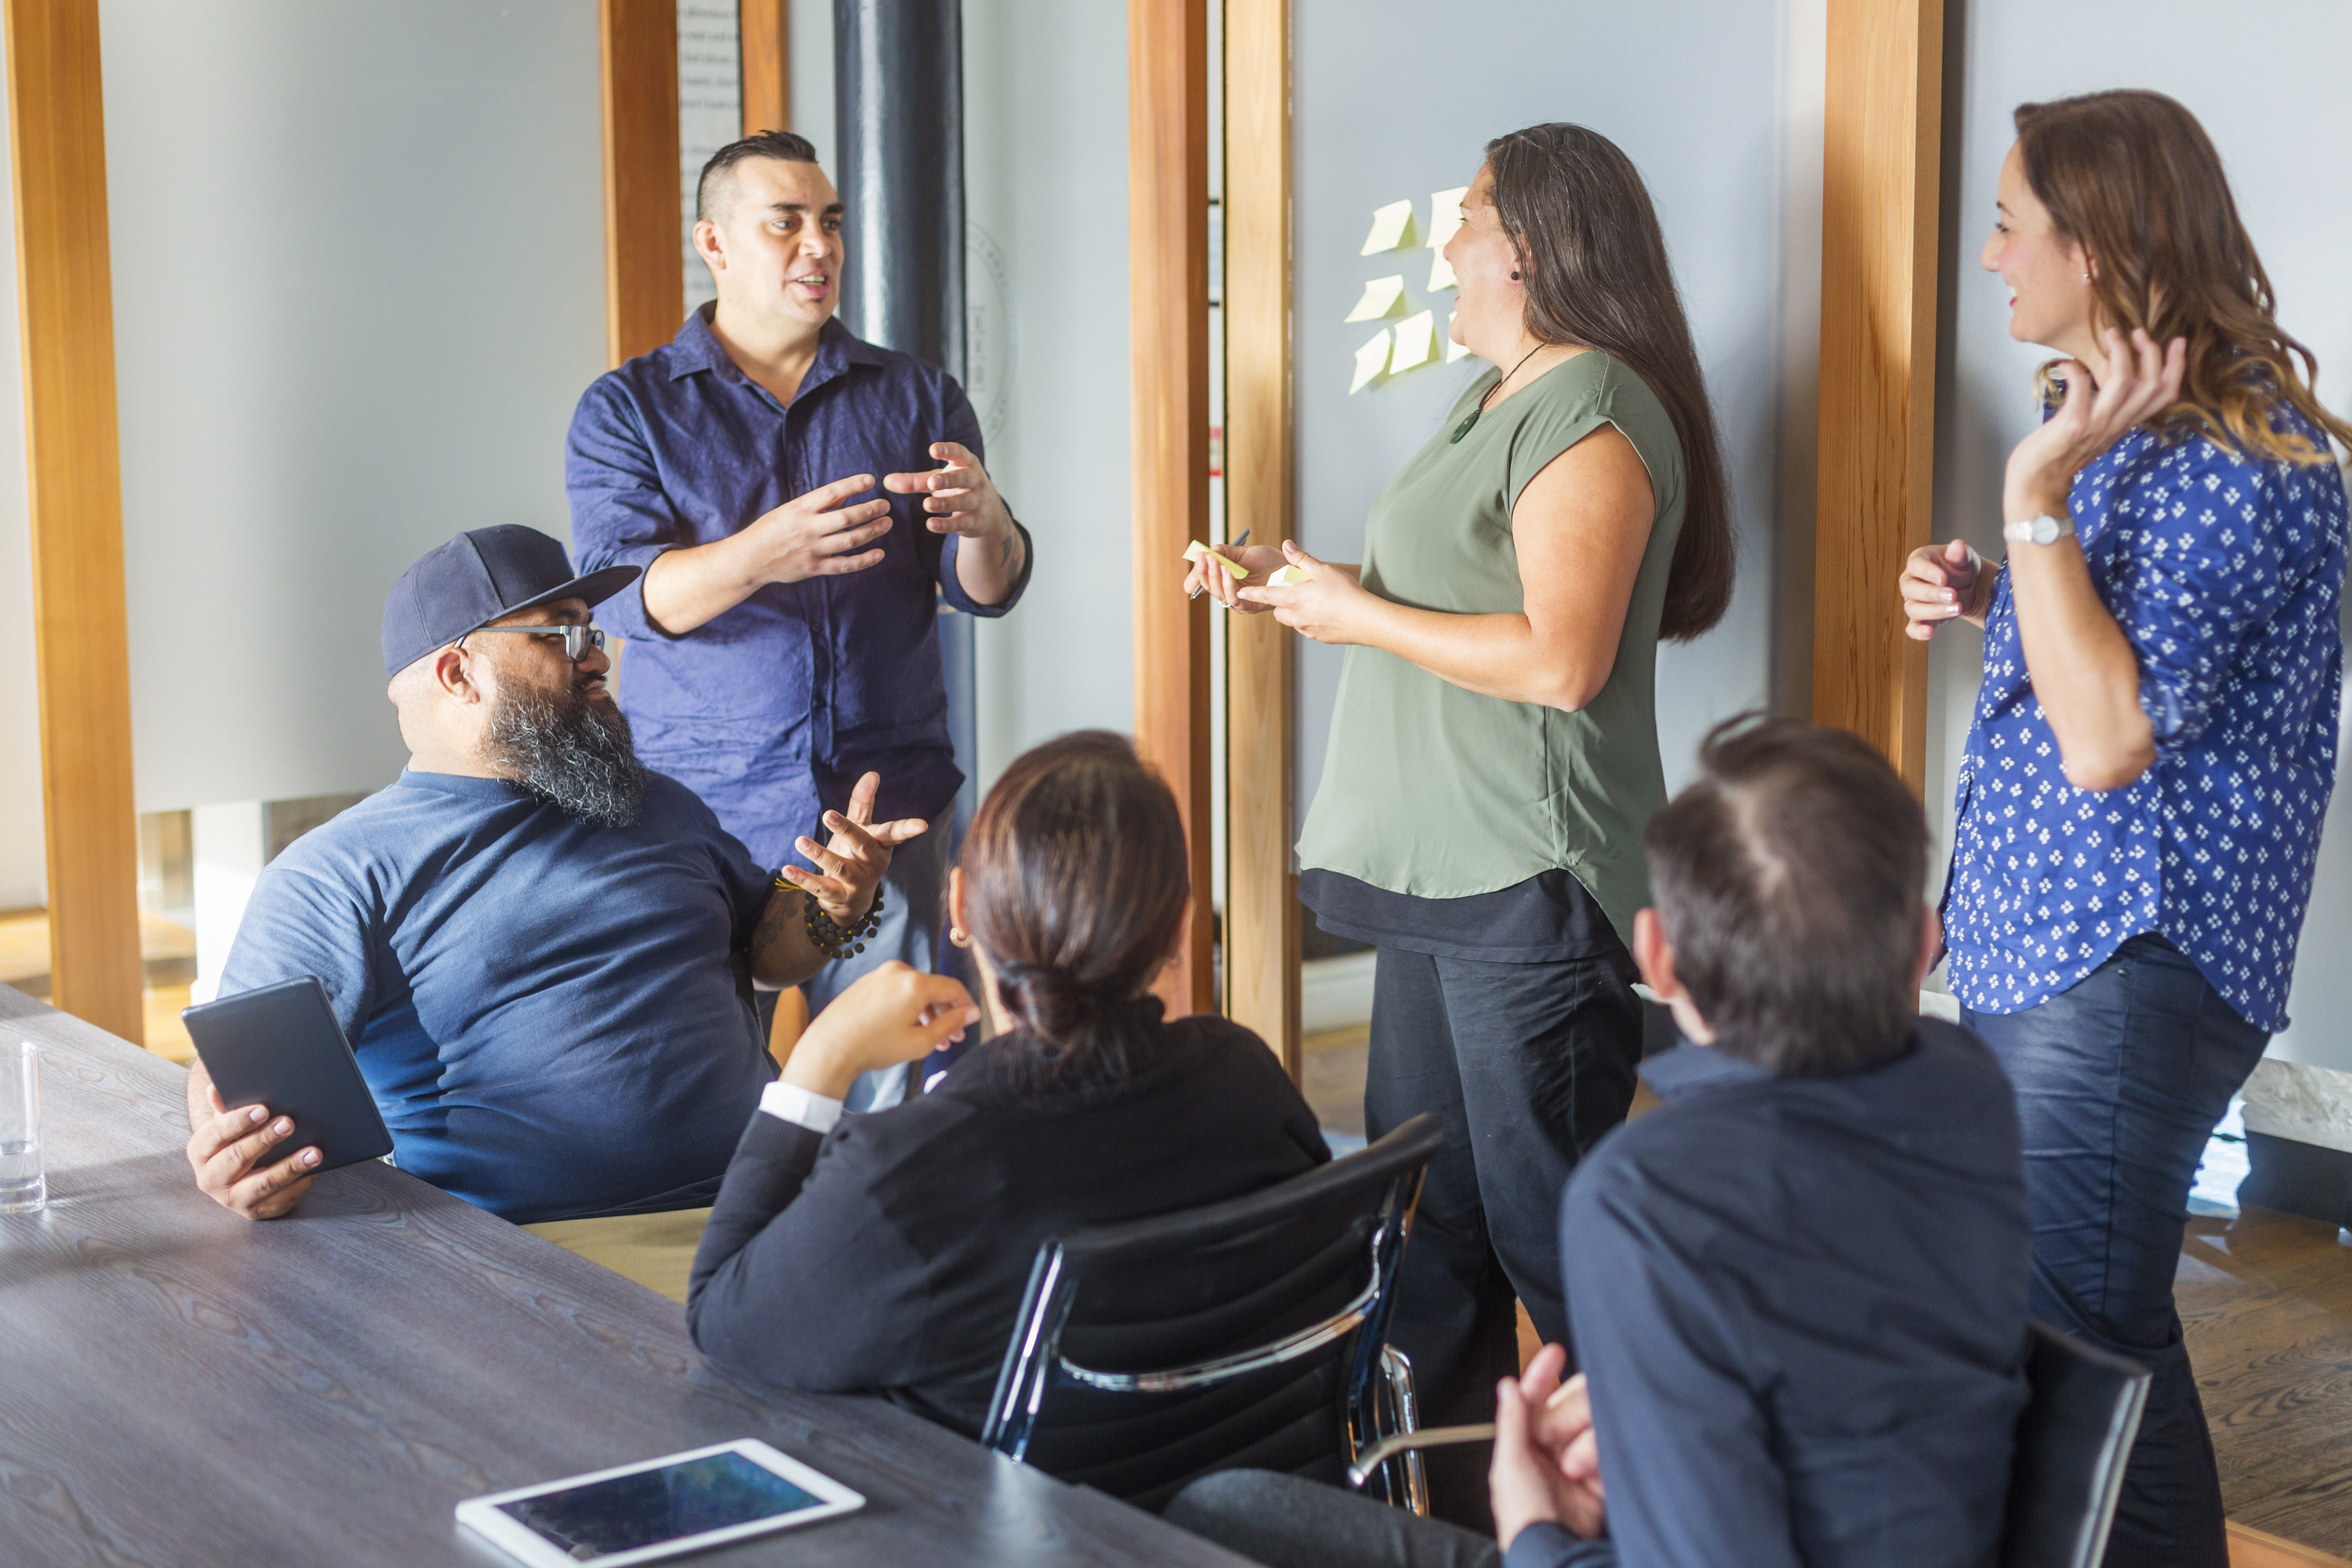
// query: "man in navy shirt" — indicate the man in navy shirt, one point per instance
point(783, 638)
point(539, 949)
point(1798, 1286)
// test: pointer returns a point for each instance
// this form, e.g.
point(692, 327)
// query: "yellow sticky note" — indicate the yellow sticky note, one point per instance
point(1289, 576)
point(1382, 297)
point(1454, 351)
point(1445, 214)
point(1416, 343)
point(1370, 360)
point(1441, 273)
point(1391, 228)
point(1197, 551)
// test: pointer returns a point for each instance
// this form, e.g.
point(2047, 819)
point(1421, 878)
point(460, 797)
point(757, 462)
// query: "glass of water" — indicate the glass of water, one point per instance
point(24, 1186)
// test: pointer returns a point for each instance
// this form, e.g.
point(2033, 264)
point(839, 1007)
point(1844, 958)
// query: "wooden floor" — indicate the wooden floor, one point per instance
point(2266, 1301)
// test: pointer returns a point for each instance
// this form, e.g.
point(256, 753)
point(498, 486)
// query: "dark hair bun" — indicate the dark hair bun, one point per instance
point(1051, 1002)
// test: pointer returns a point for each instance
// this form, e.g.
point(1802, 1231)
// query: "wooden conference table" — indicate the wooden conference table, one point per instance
point(181, 1386)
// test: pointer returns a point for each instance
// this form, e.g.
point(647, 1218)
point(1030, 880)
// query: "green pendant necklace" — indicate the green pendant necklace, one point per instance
point(1464, 429)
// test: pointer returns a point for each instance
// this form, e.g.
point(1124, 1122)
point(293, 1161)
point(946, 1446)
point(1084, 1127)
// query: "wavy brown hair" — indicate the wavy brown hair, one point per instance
point(1074, 885)
point(1597, 276)
point(2132, 178)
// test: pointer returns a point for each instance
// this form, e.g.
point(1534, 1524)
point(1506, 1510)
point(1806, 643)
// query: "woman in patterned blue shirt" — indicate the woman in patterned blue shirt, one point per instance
point(2140, 799)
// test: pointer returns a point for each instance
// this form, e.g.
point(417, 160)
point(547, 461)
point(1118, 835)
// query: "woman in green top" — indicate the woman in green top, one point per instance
point(1495, 756)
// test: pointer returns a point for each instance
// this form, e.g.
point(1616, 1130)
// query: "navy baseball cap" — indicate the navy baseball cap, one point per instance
point(475, 578)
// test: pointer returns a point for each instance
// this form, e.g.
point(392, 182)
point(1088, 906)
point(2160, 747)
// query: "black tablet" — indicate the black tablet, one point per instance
point(280, 1047)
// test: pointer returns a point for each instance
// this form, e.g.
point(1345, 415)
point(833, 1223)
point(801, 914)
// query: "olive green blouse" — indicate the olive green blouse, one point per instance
point(1441, 793)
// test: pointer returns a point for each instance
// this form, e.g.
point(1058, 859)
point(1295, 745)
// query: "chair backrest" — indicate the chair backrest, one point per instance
point(1245, 1333)
point(2072, 1443)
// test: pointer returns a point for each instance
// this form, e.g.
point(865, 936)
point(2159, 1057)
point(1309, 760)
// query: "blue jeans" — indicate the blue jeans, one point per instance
point(2119, 1082)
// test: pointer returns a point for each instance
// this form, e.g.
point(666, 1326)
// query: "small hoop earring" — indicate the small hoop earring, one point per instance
point(959, 937)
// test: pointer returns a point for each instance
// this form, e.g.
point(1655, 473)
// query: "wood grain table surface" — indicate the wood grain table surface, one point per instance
point(181, 1387)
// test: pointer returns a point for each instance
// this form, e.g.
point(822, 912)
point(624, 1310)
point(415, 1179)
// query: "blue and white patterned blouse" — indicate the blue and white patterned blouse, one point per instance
point(2226, 574)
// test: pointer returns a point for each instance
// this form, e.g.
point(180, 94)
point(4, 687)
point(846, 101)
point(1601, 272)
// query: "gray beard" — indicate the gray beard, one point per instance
point(571, 753)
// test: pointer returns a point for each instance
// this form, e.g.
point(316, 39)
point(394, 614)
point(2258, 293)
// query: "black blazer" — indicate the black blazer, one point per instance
point(890, 1256)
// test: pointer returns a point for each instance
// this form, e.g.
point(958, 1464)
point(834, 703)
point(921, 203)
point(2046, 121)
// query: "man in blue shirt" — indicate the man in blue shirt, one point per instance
point(539, 949)
point(1797, 1287)
point(783, 638)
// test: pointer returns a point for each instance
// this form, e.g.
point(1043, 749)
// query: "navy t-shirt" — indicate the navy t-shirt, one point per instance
point(545, 1009)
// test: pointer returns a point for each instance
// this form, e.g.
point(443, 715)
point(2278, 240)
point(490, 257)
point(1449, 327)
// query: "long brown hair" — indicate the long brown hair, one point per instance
point(1074, 885)
point(1595, 259)
point(2133, 178)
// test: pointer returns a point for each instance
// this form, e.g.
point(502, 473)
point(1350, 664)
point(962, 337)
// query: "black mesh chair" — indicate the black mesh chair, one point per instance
point(2071, 1445)
point(1247, 1333)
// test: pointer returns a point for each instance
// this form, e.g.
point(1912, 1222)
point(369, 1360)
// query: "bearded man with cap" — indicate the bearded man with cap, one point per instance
point(541, 950)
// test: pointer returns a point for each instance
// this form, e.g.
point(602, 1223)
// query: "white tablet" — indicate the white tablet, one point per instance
point(658, 1507)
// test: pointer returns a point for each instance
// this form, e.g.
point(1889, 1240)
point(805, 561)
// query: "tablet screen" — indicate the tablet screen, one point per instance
point(650, 1506)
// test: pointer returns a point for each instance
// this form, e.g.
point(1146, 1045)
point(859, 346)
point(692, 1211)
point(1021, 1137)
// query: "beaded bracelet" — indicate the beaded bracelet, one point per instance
point(833, 940)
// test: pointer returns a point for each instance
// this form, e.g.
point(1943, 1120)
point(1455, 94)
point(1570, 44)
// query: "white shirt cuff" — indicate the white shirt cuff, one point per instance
point(803, 1108)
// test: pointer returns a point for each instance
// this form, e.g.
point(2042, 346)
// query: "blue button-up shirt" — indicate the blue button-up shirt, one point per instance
point(1800, 1302)
point(770, 711)
point(2226, 574)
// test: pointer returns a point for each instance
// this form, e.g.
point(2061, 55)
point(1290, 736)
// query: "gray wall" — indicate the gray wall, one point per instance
point(358, 286)
point(1718, 103)
point(2272, 100)
point(1045, 192)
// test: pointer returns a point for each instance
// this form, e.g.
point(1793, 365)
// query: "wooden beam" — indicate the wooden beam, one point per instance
point(1261, 890)
point(766, 29)
point(80, 629)
point(1880, 170)
point(645, 273)
point(1167, 281)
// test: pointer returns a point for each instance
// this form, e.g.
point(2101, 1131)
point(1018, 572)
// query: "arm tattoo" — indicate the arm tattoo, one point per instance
point(775, 920)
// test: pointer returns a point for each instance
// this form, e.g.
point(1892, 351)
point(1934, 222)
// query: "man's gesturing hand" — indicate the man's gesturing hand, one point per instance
point(819, 535)
point(957, 496)
point(852, 864)
point(226, 1148)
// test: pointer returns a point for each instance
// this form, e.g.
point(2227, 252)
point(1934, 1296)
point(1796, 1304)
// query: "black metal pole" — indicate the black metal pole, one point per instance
point(899, 120)
point(898, 117)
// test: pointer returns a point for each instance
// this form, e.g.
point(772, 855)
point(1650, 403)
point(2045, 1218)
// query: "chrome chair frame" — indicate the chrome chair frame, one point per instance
point(1379, 1395)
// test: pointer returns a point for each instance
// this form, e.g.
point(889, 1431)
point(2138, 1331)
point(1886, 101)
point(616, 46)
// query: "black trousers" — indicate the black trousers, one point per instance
point(2119, 1082)
point(1529, 1064)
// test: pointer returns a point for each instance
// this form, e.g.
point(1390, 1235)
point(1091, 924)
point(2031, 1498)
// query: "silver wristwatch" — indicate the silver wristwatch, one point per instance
point(2043, 529)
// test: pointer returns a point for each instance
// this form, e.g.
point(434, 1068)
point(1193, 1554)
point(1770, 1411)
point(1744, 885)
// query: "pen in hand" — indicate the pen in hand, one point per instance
point(1237, 545)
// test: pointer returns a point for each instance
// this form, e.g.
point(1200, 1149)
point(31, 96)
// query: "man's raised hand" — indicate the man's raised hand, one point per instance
point(821, 535)
point(957, 496)
point(852, 864)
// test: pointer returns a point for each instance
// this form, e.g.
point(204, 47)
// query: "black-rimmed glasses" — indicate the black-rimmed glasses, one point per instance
point(577, 638)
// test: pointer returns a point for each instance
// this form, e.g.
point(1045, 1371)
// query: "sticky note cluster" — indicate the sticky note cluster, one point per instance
point(1413, 340)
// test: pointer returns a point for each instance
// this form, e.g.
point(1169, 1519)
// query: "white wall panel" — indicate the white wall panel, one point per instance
point(358, 252)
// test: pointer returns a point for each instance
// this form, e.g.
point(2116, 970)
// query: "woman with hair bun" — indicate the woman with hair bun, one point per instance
point(1494, 753)
point(2141, 797)
point(889, 1253)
